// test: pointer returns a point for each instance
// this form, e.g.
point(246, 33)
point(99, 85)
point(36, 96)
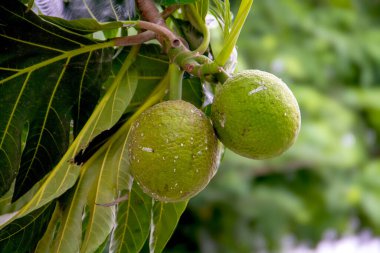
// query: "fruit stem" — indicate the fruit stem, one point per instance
point(175, 87)
point(222, 76)
point(163, 34)
point(197, 21)
point(156, 23)
point(192, 62)
point(197, 65)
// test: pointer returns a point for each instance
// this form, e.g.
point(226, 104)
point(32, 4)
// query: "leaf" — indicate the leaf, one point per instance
point(102, 118)
point(101, 217)
point(192, 91)
point(222, 12)
point(108, 111)
point(81, 204)
point(151, 66)
point(6, 199)
point(44, 244)
point(83, 26)
point(202, 7)
point(132, 222)
point(23, 234)
point(97, 180)
point(165, 217)
point(69, 234)
point(97, 186)
point(44, 90)
point(104, 247)
point(231, 39)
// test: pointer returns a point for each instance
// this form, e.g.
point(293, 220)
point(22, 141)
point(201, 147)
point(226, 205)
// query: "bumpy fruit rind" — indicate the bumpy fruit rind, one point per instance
point(173, 151)
point(255, 114)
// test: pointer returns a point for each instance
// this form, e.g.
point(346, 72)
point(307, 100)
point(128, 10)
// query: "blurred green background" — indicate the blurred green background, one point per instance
point(328, 52)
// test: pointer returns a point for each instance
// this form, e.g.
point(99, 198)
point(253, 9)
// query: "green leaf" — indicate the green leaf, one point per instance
point(104, 190)
point(104, 247)
point(69, 235)
point(231, 39)
point(95, 186)
point(165, 217)
point(202, 8)
point(222, 12)
point(105, 115)
point(151, 66)
point(6, 199)
point(44, 90)
point(100, 221)
point(97, 181)
point(132, 222)
point(44, 244)
point(83, 26)
point(192, 91)
point(23, 234)
point(103, 118)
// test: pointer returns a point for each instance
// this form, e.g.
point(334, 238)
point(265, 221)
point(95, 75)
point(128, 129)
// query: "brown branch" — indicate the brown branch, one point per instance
point(162, 32)
point(149, 12)
point(154, 31)
point(169, 10)
point(146, 35)
point(135, 39)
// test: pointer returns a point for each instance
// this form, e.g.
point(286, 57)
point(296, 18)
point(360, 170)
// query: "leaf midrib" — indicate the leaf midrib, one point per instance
point(28, 224)
point(32, 44)
point(43, 127)
point(93, 205)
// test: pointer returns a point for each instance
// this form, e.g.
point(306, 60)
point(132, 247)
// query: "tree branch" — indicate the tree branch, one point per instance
point(135, 39)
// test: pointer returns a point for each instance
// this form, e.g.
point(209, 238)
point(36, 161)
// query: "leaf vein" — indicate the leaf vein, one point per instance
point(31, 43)
point(43, 127)
point(14, 109)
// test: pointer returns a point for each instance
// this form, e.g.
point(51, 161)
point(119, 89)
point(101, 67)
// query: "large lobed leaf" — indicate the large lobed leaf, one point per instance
point(26, 232)
point(47, 81)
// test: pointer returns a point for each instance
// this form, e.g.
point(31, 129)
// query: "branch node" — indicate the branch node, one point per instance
point(189, 67)
point(176, 43)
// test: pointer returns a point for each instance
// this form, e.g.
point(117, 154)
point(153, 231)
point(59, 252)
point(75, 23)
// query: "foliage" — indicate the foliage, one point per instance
point(70, 90)
point(68, 96)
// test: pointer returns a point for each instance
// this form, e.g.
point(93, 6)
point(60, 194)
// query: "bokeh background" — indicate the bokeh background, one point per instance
point(327, 185)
